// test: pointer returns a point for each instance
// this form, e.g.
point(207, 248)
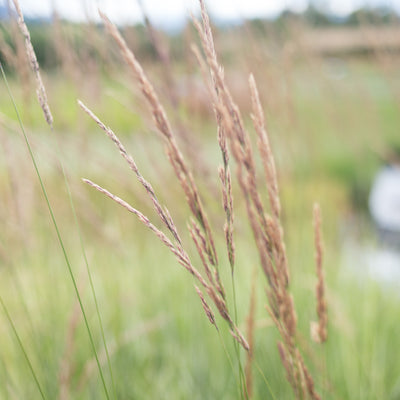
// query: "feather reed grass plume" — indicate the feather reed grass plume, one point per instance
point(163, 125)
point(162, 213)
point(206, 307)
point(200, 229)
point(224, 170)
point(173, 91)
point(185, 261)
point(182, 257)
point(309, 381)
point(227, 202)
point(40, 89)
point(267, 229)
point(265, 150)
point(213, 287)
point(264, 219)
point(319, 330)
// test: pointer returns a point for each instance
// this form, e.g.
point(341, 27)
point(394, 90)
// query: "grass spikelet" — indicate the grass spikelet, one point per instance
point(270, 173)
point(267, 230)
point(163, 125)
point(309, 381)
point(198, 240)
point(163, 214)
point(183, 259)
point(319, 331)
point(286, 363)
point(264, 147)
point(227, 202)
point(206, 307)
point(40, 90)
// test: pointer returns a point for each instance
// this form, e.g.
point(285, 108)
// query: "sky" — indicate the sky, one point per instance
point(167, 13)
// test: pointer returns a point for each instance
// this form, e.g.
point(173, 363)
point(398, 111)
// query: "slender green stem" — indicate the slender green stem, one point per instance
point(265, 379)
point(22, 346)
point(87, 265)
point(229, 359)
point(56, 229)
point(242, 378)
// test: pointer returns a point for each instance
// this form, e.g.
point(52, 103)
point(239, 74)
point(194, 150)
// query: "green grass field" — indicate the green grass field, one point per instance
point(327, 133)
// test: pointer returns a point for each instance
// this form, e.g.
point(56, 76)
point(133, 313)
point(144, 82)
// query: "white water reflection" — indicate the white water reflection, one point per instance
point(384, 200)
point(371, 253)
point(375, 262)
point(371, 247)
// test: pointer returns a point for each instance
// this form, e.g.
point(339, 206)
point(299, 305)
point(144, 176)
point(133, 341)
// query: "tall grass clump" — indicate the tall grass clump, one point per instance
point(264, 218)
point(44, 104)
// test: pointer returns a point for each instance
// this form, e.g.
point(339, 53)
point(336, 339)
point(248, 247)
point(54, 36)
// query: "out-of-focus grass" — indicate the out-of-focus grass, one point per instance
point(165, 347)
point(114, 104)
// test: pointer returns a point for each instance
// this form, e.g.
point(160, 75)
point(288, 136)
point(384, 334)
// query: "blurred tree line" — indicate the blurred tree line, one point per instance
point(88, 41)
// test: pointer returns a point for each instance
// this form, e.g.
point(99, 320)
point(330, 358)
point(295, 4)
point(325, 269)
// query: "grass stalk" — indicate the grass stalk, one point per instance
point(82, 245)
point(239, 385)
point(242, 378)
point(42, 98)
point(265, 379)
point(54, 222)
point(14, 329)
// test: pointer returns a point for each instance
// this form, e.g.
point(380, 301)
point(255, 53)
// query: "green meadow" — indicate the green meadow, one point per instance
point(331, 121)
